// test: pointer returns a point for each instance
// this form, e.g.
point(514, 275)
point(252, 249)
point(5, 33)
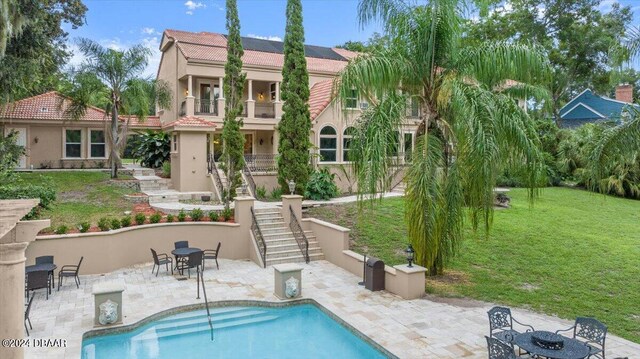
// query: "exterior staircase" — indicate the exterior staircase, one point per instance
point(159, 189)
point(280, 241)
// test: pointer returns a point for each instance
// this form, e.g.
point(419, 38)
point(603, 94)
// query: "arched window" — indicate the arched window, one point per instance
point(328, 144)
point(347, 135)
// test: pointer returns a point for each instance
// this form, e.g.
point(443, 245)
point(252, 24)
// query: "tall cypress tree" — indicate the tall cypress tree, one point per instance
point(233, 153)
point(295, 125)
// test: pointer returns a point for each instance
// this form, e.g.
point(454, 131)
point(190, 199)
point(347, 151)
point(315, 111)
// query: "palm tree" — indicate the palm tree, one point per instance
point(121, 86)
point(471, 126)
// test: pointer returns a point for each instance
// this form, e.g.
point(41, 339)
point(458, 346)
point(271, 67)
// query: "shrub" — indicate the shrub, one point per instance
point(155, 218)
point(182, 216)
point(152, 148)
point(103, 224)
point(125, 221)
point(321, 186)
point(213, 216)
point(115, 223)
point(20, 190)
point(84, 227)
point(261, 192)
point(196, 214)
point(166, 169)
point(276, 193)
point(62, 229)
point(170, 218)
point(227, 213)
point(140, 218)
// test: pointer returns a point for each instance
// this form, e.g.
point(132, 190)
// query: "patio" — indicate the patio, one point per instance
point(408, 328)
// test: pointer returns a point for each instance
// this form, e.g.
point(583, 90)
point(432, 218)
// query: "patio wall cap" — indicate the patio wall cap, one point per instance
point(287, 267)
point(406, 269)
point(326, 224)
point(291, 196)
point(244, 198)
point(108, 287)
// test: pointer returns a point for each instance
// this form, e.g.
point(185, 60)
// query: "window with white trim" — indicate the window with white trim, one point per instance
point(175, 143)
point(328, 144)
point(73, 144)
point(272, 91)
point(97, 144)
point(352, 99)
point(347, 136)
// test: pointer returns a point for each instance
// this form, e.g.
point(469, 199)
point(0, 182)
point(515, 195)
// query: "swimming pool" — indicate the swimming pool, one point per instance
point(296, 331)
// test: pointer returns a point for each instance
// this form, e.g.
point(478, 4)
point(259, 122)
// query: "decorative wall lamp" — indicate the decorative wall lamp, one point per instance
point(261, 141)
point(36, 139)
point(261, 96)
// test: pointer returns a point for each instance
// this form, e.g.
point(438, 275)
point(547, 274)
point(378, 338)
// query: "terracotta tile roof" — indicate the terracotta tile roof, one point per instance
point(46, 107)
point(320, 97)
point(347, 54)
point(213, 47)
point(190, 121)
point(151, 122)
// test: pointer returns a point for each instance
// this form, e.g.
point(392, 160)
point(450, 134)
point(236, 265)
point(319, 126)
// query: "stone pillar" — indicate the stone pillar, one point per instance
point(251, 104)
point(14, 239)
point(242, 210)
point(295, 201)
point(409, 281)
point(190, 100)
point(221, 100)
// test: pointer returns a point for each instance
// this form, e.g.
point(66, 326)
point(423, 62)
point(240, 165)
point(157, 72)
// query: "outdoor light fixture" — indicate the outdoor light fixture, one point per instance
point(292, 186)
point(260, 96)
point(410, 253)
point(261, 141)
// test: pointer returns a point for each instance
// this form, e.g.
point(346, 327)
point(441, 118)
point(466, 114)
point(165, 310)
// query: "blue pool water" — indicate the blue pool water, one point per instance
point(300, 331)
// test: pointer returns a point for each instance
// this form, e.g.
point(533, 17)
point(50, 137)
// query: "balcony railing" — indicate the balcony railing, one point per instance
point(263, 162)
point(265, 110)
point(205, 106)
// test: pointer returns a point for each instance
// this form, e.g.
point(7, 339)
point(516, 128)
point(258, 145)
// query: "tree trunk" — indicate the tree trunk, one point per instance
point(114, 140)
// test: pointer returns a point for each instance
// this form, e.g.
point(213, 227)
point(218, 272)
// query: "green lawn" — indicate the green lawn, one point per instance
point(574, 253)
point(82, 196)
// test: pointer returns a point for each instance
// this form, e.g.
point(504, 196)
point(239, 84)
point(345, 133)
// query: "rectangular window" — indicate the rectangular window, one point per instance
point(73, 144)
point(328, 149)
point(175, 143)
point(272, 91)
point(352, 99)
point(97, 144)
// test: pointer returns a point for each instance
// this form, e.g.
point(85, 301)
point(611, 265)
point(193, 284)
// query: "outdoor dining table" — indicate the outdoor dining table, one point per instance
point(184, 252)
point(550, 345)
point(49, 267)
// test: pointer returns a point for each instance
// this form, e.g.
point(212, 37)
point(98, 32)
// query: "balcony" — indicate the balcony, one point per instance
point(265, 110)
point(205, 106)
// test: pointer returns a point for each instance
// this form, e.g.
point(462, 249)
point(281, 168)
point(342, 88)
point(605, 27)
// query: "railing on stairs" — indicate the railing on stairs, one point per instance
point(298, 234)
point(249, 178)
point(213, 169)
point(200, 277)
point(257, 235)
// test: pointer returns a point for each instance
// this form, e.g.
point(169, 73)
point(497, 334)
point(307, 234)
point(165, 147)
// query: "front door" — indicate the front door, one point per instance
point(21, 140)
point(205, 99)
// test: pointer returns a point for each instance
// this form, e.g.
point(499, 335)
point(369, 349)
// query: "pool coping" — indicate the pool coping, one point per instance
point(235, 303)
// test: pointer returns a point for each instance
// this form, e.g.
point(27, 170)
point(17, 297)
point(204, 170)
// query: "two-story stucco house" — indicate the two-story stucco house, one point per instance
point(193, 65)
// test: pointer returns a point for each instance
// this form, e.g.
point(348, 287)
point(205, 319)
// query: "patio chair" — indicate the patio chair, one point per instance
point(26, 315)
point(501, 325)
point(499, 350)
point(46, 260)
point(160, 259)
point(70, 270)
point(592, 332)
point(211, 254)
point(38, 280)
point(181, 244)
point(194, 260)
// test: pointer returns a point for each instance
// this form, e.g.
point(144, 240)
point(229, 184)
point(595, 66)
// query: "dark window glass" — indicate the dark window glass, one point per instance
point(327, 155)
point(73, 143)
point(328, 144)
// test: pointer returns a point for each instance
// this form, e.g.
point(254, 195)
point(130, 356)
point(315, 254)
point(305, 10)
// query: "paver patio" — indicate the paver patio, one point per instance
point(421, 328)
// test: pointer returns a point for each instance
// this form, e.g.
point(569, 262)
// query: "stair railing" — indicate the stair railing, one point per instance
point(200, 277)
point(257, 235)
point(298, 234)
point(213, 169)
point(249, 178)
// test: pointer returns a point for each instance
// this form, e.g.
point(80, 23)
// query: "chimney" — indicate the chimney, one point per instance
point(624, 93)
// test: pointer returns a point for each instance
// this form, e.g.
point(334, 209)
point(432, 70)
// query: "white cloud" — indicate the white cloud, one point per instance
point(148, 30)
point(192, 6)
point(605, 5)
point(271, 37)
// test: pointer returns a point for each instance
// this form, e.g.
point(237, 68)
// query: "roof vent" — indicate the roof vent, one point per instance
point(44, 109)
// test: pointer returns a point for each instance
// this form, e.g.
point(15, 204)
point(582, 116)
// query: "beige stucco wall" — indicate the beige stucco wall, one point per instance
point(167, 72)
point(189, 164)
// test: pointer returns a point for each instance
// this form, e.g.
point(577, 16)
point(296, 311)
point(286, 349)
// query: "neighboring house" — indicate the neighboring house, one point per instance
point(193, 65)
point(53, 141)
point(589, 107)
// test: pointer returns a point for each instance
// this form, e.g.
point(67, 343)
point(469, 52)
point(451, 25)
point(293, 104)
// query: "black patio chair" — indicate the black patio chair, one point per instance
point(26, 315)
point(592, 332)
point(70, 270)
point(194, 260)
point(211, 254)
point(38, 280)
point(160, 259)
point(181, 244)
point(499, 350)
point(501, 325)
point(46, 260)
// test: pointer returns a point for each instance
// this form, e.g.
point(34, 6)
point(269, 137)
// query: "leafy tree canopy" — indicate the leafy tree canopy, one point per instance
point(376, 42)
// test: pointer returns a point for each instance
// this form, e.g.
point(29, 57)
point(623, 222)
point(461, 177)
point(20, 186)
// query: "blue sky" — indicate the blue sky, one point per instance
point(122, 23)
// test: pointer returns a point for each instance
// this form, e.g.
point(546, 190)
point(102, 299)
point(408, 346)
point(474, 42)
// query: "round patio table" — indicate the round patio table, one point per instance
point(184, 252)
point(49, 267)
point(571, 348)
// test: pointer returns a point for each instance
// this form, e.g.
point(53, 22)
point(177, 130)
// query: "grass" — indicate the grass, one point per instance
point(574, 253)
point(82, 196)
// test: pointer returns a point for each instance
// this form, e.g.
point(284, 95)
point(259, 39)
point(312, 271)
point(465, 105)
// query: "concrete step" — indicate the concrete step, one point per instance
point(291, 245)
point(294, 259)
point(272, 255)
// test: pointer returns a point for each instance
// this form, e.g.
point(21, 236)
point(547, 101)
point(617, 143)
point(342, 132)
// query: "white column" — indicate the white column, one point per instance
point(191, 103)
point(250, 90)
point(277, 91)
point(251, 104)
point(189, 85)
point(277, 105)
point(221, 101)
point(221, 86)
